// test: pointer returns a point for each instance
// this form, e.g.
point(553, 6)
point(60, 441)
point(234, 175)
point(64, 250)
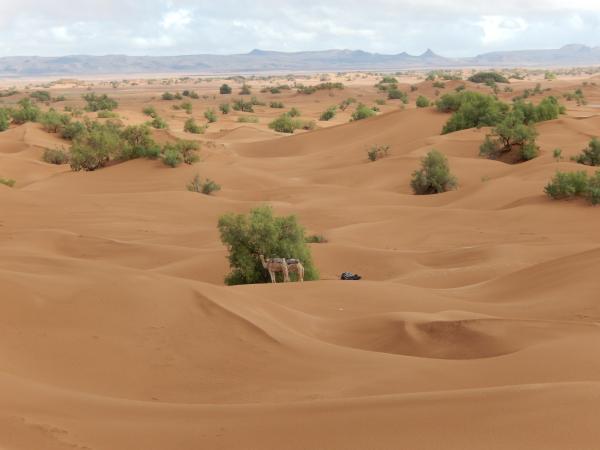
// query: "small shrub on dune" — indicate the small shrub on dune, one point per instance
point(73, 130)
point(190, 126)
point(210, 115)
point(107, 115)
point(362, 112)
point(150, 111)
point(168, 96)
point(224, 108)
point(262, 233)
point(377, 152)
point(247, 119)
point(138, 143)
point(159, 123)
point(95, 148)
point(590, 156)
point(277, 105)
point(294, 112)
point(510, 134)
point(316, 239)
point(26, 112)
point(328, 114)
point(471, 109)
point(285, 124)
point(55, 156)
point(225, 89)
point(53, 121)
point(487, 77)
point(422, 102)
point(187, 107)
point(4, 119)
point(434, 176)
point(347, 102)
point(99, 102)
point(7, 182)
point(171, 157)
point(245, 90)
point(566, 185)
point(181, 152)
point(241, 105)
point(41, 96)
point(396, 94)
point(206, 187)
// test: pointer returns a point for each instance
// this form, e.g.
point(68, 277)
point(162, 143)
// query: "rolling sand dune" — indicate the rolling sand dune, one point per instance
point(476, 326)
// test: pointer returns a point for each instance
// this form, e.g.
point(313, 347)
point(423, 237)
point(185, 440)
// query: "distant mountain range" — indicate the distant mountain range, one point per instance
point(268, 61)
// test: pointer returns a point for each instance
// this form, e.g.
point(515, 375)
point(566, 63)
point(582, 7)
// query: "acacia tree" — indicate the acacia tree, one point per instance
point(261, 233)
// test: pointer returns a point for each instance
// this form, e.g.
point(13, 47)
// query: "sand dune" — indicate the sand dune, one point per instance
point(476, 324)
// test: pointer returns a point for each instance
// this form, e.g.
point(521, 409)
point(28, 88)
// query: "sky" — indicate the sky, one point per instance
point(176, 27)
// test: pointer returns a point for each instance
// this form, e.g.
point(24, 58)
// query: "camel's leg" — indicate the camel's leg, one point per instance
point(286, 274)
point(301, 273)
point(272, 274)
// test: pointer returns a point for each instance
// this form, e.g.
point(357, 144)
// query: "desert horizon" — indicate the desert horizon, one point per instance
point(432, 233)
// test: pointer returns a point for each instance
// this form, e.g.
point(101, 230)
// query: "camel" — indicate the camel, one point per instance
point(274, 265)
point(294, 265)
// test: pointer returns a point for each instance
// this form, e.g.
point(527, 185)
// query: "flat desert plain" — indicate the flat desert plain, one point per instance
point(475, 326)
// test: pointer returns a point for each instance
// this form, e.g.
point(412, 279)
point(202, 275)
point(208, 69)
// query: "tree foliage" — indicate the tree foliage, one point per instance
point(434, 176)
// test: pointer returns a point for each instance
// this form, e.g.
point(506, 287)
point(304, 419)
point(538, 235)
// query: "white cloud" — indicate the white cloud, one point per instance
point(176, 19)
point(498, 29)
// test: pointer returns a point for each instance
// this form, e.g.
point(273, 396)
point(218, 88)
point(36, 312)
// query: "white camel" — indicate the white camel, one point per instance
point(274, 265)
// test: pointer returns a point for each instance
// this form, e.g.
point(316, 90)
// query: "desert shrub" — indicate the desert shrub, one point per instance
point(328, 114)
point(224, 108)
point(138, 143)
point(316, 239)
point(210, 115)
point(590, 156)
point(187, 107)
point(107, 115)
point(181, 151)
point(567, 185)
point(593, 189)
point(55, 156)
point(397, 94)
point(377, 152)
point(245, 90)
point(277, 105)
point(474, 110)
point(203, 187)
point(168, 96)
point(434, 176)
point(7, 181)
point(241, 105)
point(190, 94)
point(261, 233)
point(254, 101)
point(26, 112)
point(308, 125)
point(347, 102)
point(4, 119)
point(439, 84)
point(41, 96)
point(150, 111)
point(190, 126)
point(380, 102)
point(449, 102)
point(99, 102)
point(94, 149)
point(285, 124)
point(294, 112)
point(247, 119)
point(8, 92)
point(159, 123)
point(486, 77)
point(422, 102)
point(512, 132)
point(547, 109)
point(53, 121)
point(362, 112)
point(225, 89)
point(73, 130)
point(557, 154)
point(577, 96)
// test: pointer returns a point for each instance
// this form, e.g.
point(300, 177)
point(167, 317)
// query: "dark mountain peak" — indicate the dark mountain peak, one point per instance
point(428, 54)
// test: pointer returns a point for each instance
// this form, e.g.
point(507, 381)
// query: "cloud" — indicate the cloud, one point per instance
point(171, 27)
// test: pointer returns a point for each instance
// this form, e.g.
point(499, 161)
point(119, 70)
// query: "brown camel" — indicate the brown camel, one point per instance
point(295, 266)
point(274, 265)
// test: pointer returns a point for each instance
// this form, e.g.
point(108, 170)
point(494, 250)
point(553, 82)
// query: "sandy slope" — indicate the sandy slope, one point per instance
point(476, 326)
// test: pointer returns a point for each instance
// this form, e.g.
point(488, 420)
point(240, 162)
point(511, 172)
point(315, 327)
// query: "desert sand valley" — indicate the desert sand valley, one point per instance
point(476, 324)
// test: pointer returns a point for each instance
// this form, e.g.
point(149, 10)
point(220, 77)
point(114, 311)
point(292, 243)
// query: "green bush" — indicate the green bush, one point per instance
point(181, 151)
point(487, 77)
point(547, 109)
point(362, 112)
point(316, 239)
point(203, 187)
point(99, 102)
point(347, 102)
point(277, 105)
point(55, 156)
point(53, 121)
point(138, 143)
point(94, 149)
point(377, 152)
point(4, 119)
point(241, 105)
point(567, 185)
point(396, 94)
point(439, 84)
point(593, 190)
point(473, 110)
point(187, 107)
point(210, 115)
point(225, 89)
point(159, 123)
point(247, 119)
point(512, 132)
point(191, 126)
point(41, 96)
point(107, 115)
point(261, 233)
point(434, 176)
point(7, 182)
point(590, 156)
point(285, 124)
point(294, 112)
point(168, 96)
point(150, 111)
point(245, 90)
point(73, 130)
point(171, 157)
point(224, 108)
point(422, 102)
point(27, 112)
point(328, 114)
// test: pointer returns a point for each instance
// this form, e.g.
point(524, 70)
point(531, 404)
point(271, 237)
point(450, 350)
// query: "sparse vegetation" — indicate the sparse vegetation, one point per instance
point(4, 119)
point(247, 119)
point(590, 156)
point(488, 77)
point(262, 233)
point(55, 156)
point(150, 111)
point(397, 94)
point(434, 176)
point(180, 152)
point(422, 102)
point(224, 108)
point(377, 152)
point(41, 96)
point(241, 105)
point(245, 90)
point(316, 239)
point(328, 114)
point(277, 105)
point(567, 185)
point(225, 89)
point(190, 126)
point(511, 133)
point(557, 154)
point(207, 186)
point(362, 112)
point(7, 182)
point(26, 112)
point(471, 109)
point(99, 102)
point(210, 115)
